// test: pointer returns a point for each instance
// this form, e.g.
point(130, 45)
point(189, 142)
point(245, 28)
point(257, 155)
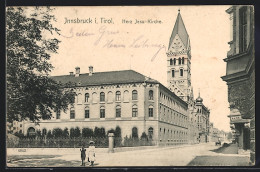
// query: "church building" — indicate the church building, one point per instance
point(179, 81)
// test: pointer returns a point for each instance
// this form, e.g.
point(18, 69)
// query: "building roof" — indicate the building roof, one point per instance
point(104, 78)
point(179, 28)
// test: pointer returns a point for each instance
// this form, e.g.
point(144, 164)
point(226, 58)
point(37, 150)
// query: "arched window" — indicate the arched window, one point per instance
point(151, 95)
point(134, 132)
point(79, 98)
point(179, 60)
point(126, 96)
point(72, 113)
point(102, 112)
point(174, 61)
point(86, 97)
point(173, 73)
point(150, 133)
point(150, 111)
point(94, 97)
point(182, 60)
point(102, 96)
point(181, 72)
point(118, 111)
point(134, 111)
point(134, 95)
point(109, 96)
point(87, 112)
point(171, 62)
point(118, 96)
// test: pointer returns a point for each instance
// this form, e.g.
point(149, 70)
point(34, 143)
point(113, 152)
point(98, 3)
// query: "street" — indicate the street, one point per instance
point(192, 155)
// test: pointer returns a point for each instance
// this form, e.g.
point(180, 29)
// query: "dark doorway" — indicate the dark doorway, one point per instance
point(246, 138)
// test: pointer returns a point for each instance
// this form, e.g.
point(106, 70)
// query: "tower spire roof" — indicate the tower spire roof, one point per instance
point(179, 28)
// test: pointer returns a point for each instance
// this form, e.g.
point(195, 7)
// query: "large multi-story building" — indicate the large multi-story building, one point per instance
point(136, 103)
point(126, 99)
point(240, 76)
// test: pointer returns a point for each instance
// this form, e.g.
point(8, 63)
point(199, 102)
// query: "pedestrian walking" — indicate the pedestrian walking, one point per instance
point(91, 153)
point(83, 155)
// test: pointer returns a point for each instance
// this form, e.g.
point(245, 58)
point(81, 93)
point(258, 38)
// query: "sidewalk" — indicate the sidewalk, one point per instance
point(223, 156)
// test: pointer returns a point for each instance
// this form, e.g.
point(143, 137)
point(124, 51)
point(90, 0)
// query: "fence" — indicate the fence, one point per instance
point(56, 142)
point(72, 142)
point(42, 142)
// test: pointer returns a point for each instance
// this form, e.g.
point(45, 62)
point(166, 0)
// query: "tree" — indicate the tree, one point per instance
point(49, 134)
point(144, 136)
point(118, 131)
point(72, 132)
point(31, 93)
point(99, 132)
point(77, 132)
point(87, 132)
point(65, 133)
point(57, 132)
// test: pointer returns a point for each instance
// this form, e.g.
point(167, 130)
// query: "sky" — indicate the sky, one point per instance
point(108, 43)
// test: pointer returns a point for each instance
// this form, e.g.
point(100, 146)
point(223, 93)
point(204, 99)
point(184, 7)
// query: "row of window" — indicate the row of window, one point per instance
point(172, 113)
point(173, 73)
point(180, 61)
point(174, 133)
point(103, 112)
point(169, 102)
point(117, 96)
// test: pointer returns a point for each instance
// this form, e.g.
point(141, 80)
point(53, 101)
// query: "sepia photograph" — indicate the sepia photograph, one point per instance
point(130, 86)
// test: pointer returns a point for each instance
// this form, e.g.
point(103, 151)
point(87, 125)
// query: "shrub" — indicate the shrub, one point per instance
point(99, 132)
point(77, 132)
point(87, 132)
point(144, 136)
point(65, 133)
point(49, 134)
point(72, 133)
point(57, 132)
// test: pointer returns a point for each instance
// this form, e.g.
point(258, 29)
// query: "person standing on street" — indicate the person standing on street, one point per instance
point(91, 153)
point(83, 155)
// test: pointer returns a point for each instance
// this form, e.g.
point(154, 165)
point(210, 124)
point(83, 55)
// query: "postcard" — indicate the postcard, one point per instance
point(135, 86)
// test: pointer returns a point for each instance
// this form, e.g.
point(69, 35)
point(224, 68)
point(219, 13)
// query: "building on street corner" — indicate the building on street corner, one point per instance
point(240, 77)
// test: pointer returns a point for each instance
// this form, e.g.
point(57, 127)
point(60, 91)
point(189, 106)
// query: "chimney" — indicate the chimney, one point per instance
point(71, 73)
point(77, 71)
point(90, 70)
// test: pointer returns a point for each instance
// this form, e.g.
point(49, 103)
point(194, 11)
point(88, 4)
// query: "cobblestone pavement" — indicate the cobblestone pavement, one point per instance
point(162, 156)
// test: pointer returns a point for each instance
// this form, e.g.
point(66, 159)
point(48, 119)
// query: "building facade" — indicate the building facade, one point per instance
point(124, 99)
point(240, 76)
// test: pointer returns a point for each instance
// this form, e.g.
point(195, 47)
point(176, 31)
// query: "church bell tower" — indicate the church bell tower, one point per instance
point(179, 61)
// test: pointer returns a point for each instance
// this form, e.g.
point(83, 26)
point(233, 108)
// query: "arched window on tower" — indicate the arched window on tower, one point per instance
point(182, 60)
point(174, 61)
point(171, 62)
point(179, 60)
point(173, 73)
point(181, 72)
